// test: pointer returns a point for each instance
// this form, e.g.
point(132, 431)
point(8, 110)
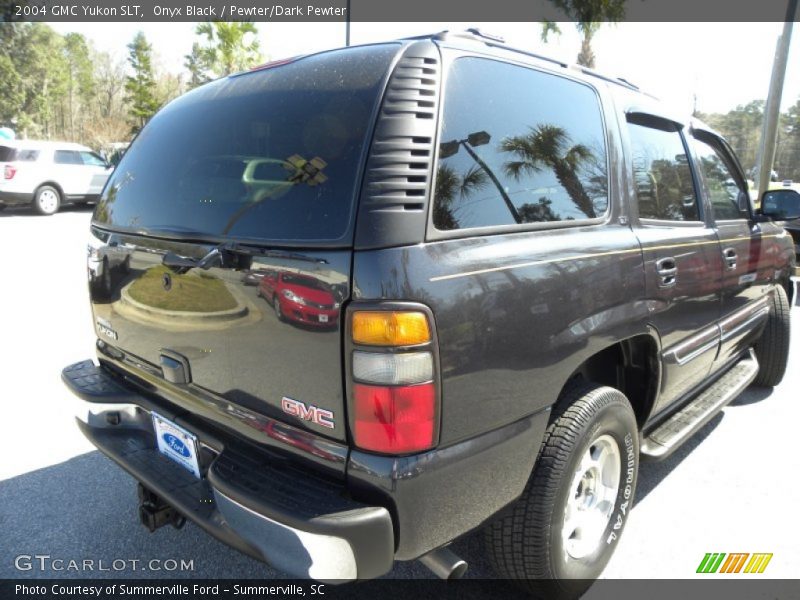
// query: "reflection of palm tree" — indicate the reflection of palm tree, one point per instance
point(547, 146)
point(449, 185)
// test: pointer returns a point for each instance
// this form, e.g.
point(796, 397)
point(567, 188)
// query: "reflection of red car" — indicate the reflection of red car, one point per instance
point(299, 298)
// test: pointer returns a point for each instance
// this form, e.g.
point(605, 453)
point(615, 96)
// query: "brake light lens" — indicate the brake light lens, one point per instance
point(394, 420)
point(9, 172)
point(390, 328)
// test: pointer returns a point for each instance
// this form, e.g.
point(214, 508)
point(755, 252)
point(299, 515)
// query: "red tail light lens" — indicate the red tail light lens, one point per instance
point(10, 172)
point(394, 420)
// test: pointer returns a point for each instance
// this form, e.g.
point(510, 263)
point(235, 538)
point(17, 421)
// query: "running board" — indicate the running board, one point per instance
point(666, 438)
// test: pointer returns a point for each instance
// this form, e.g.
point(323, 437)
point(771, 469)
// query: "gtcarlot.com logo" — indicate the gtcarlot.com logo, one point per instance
point(739, 562)
point(46, 562)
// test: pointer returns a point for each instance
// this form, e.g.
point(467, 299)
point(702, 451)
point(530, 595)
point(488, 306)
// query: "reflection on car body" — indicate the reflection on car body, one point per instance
point(300, 298)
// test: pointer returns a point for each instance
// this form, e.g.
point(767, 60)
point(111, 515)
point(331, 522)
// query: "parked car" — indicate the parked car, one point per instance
point(299, 298)
point(784, 199)
point(47, 175)
point(544, 275)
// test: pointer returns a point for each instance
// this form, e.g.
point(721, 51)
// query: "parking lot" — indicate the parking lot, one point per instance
point(732, 488)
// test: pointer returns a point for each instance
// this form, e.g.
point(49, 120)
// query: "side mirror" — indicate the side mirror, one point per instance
point(781, 205)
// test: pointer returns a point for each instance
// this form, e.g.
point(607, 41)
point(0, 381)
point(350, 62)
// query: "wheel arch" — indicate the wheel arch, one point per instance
point(53, 184)
point(630, 365)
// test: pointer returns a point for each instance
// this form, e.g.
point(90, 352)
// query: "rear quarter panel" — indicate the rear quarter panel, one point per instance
point(515, 314)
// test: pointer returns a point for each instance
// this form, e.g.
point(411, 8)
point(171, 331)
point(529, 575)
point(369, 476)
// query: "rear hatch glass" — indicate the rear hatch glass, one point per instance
point(271, 155)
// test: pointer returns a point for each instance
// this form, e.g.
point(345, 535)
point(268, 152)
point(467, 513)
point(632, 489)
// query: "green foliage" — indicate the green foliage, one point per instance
point(54, 86)
point(742, 128)
point(141, 86)
point(226, 48)
point(588, 16)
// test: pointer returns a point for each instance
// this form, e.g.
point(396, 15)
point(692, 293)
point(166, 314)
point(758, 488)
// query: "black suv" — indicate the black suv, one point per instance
point(510, 278)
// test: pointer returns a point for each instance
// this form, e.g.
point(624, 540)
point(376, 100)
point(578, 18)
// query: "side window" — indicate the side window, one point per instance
point(67, 157)
point(26, 155)
point(518, 146)
point(662, 177)
point(720, 182)
point(92, 159)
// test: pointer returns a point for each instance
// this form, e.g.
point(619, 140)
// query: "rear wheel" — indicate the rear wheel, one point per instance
point(772, 348)
point(561, 533)
point(47, 200)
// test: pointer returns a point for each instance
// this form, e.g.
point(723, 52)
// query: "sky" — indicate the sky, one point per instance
point(715, 66)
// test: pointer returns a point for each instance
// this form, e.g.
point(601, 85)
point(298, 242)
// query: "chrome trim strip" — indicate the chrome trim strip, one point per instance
point(743, 317)
point(693, 347)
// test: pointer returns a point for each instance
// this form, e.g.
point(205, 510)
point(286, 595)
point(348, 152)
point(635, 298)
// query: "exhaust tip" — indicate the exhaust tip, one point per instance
point(444, 564)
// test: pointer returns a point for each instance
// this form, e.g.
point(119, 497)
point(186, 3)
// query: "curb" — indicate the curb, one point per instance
point(182, 317)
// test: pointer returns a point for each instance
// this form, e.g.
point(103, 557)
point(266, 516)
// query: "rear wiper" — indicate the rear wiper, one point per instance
point(228, 254)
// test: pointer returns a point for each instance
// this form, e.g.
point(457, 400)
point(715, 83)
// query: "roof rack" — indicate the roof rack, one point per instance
point(495, 41)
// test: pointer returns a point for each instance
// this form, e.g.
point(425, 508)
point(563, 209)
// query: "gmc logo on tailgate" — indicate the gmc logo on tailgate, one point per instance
point(318, 416)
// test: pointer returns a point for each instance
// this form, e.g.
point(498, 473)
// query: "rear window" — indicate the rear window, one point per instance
point(8, 154)
point(26, 155)
point(271, 155)
point(518, 146)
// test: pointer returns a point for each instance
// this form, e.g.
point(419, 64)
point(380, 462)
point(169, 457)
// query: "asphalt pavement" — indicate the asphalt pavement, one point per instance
point(732, 488)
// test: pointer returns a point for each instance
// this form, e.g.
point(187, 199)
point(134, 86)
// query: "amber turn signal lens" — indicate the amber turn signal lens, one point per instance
point(390, 328)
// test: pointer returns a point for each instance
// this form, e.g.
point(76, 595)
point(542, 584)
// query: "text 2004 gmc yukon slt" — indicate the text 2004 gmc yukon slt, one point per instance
point(508, 280)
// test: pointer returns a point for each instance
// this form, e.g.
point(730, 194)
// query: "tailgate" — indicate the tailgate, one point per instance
point(264, 335)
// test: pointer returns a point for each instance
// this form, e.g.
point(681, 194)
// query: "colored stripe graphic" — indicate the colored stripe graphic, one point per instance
point(713, 562)
point(734, 562)
point(758, 563)
point(710, 562)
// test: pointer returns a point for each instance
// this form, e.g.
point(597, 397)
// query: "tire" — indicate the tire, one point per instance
point(530, 542)
point(47, 200)
point(276, 305)
point(772, 348)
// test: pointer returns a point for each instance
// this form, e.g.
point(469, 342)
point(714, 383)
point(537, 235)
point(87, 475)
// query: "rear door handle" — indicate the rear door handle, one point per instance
point(730, 257)
point(667, 272)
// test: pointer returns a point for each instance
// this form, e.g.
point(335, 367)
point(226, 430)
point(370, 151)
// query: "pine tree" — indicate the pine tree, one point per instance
point(141, 86)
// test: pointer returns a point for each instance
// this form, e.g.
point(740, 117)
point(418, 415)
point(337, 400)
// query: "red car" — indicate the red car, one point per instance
point(299, 298)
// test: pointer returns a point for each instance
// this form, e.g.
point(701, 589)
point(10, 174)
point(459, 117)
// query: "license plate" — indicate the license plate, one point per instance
point(176, 443)
point(323, 318)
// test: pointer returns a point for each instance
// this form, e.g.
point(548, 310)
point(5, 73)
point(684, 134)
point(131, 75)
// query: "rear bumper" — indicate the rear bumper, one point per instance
point(310, 521)
point(299, 523)
point(15, 198)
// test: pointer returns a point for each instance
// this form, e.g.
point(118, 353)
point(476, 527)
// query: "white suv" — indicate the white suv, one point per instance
point(49, 174)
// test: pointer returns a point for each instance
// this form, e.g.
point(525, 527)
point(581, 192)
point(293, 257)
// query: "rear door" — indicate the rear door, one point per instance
point(257, 172)
point(681, 253)
point(68, 172)
point(747, 250)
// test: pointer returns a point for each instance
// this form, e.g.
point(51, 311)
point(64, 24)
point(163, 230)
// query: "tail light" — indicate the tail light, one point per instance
point(10, 171)
point(394, 404)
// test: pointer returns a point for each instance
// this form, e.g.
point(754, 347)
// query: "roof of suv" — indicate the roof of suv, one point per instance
point(44, 145)
point(468, 38)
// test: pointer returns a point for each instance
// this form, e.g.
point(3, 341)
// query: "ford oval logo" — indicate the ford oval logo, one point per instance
point(177, 445)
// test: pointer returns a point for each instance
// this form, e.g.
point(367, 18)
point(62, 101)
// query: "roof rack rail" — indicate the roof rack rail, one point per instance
point(495, 41)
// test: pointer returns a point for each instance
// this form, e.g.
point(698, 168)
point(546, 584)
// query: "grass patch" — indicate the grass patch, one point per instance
point(188, 292)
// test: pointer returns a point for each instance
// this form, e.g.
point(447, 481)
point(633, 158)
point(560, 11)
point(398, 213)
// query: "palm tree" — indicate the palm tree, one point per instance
point(588, 16)
point(547, 146)
point(449, 185)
